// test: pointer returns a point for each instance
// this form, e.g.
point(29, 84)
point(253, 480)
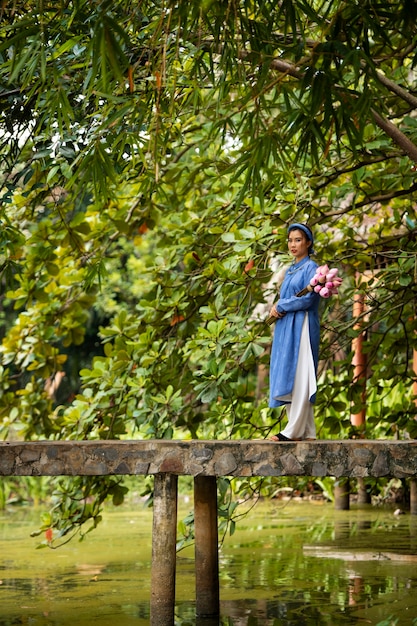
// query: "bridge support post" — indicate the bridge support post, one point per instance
point(206, 547)
point(164, 539)
point(364, 497)
point(341, 494)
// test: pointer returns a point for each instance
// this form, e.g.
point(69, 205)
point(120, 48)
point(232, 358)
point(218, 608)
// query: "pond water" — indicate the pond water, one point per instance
point(287, 564)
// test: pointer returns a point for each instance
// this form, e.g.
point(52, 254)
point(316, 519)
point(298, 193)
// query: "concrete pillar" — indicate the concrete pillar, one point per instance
point(364, 496)
point(164, 539)
point(206, 547)
point(341, 494)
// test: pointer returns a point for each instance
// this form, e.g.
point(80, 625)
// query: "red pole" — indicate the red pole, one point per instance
point(415, 375)
point(359, 360)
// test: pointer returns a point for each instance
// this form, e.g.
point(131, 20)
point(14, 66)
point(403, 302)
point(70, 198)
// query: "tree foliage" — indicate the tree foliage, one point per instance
point(152, 155)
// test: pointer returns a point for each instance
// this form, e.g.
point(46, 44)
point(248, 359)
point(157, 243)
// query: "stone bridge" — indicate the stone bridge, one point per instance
point(205, 461)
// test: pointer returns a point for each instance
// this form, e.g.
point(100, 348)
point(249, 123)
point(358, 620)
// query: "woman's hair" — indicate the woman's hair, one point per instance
point(306, 230)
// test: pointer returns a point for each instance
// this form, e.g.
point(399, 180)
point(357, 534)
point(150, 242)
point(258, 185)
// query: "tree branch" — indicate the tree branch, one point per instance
point(384, 197)
point(396, 135)
point(330, 178)
point(388, 127)
point(399, 91)
point(286, 68)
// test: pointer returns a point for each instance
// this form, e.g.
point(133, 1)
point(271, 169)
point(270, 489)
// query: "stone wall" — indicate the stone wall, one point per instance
point(353, 458)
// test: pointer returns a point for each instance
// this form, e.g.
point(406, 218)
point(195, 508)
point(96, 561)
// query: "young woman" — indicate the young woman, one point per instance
point(295, 347)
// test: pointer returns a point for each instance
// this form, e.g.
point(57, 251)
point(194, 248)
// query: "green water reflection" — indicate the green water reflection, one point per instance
point(291, 564)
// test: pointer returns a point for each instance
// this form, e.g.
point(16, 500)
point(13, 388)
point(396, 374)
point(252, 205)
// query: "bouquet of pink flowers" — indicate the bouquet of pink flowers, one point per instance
point(325, 282)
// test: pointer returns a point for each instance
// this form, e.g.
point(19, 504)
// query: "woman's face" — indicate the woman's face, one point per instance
point(298, 244)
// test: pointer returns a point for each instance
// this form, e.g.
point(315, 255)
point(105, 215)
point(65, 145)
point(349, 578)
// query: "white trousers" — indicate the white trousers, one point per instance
point(300, 410)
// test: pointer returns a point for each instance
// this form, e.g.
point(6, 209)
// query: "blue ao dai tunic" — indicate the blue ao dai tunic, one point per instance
point(287, 330)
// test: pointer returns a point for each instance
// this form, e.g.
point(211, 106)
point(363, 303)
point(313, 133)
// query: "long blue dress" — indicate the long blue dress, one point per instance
point(287, 330)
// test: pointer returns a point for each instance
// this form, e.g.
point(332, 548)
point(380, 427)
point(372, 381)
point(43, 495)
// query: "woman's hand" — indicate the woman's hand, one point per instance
point(276, 313)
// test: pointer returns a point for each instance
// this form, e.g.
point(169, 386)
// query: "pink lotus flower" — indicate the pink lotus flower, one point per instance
point(331, 273)
point(325, 282)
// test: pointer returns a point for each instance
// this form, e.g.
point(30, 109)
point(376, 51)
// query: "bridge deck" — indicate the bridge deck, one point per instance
point(350, 458)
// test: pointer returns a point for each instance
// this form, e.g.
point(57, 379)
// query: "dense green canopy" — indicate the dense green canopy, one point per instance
point(152, 155)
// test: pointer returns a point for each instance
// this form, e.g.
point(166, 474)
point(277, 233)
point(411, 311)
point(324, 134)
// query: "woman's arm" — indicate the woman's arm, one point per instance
point(305, 303)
